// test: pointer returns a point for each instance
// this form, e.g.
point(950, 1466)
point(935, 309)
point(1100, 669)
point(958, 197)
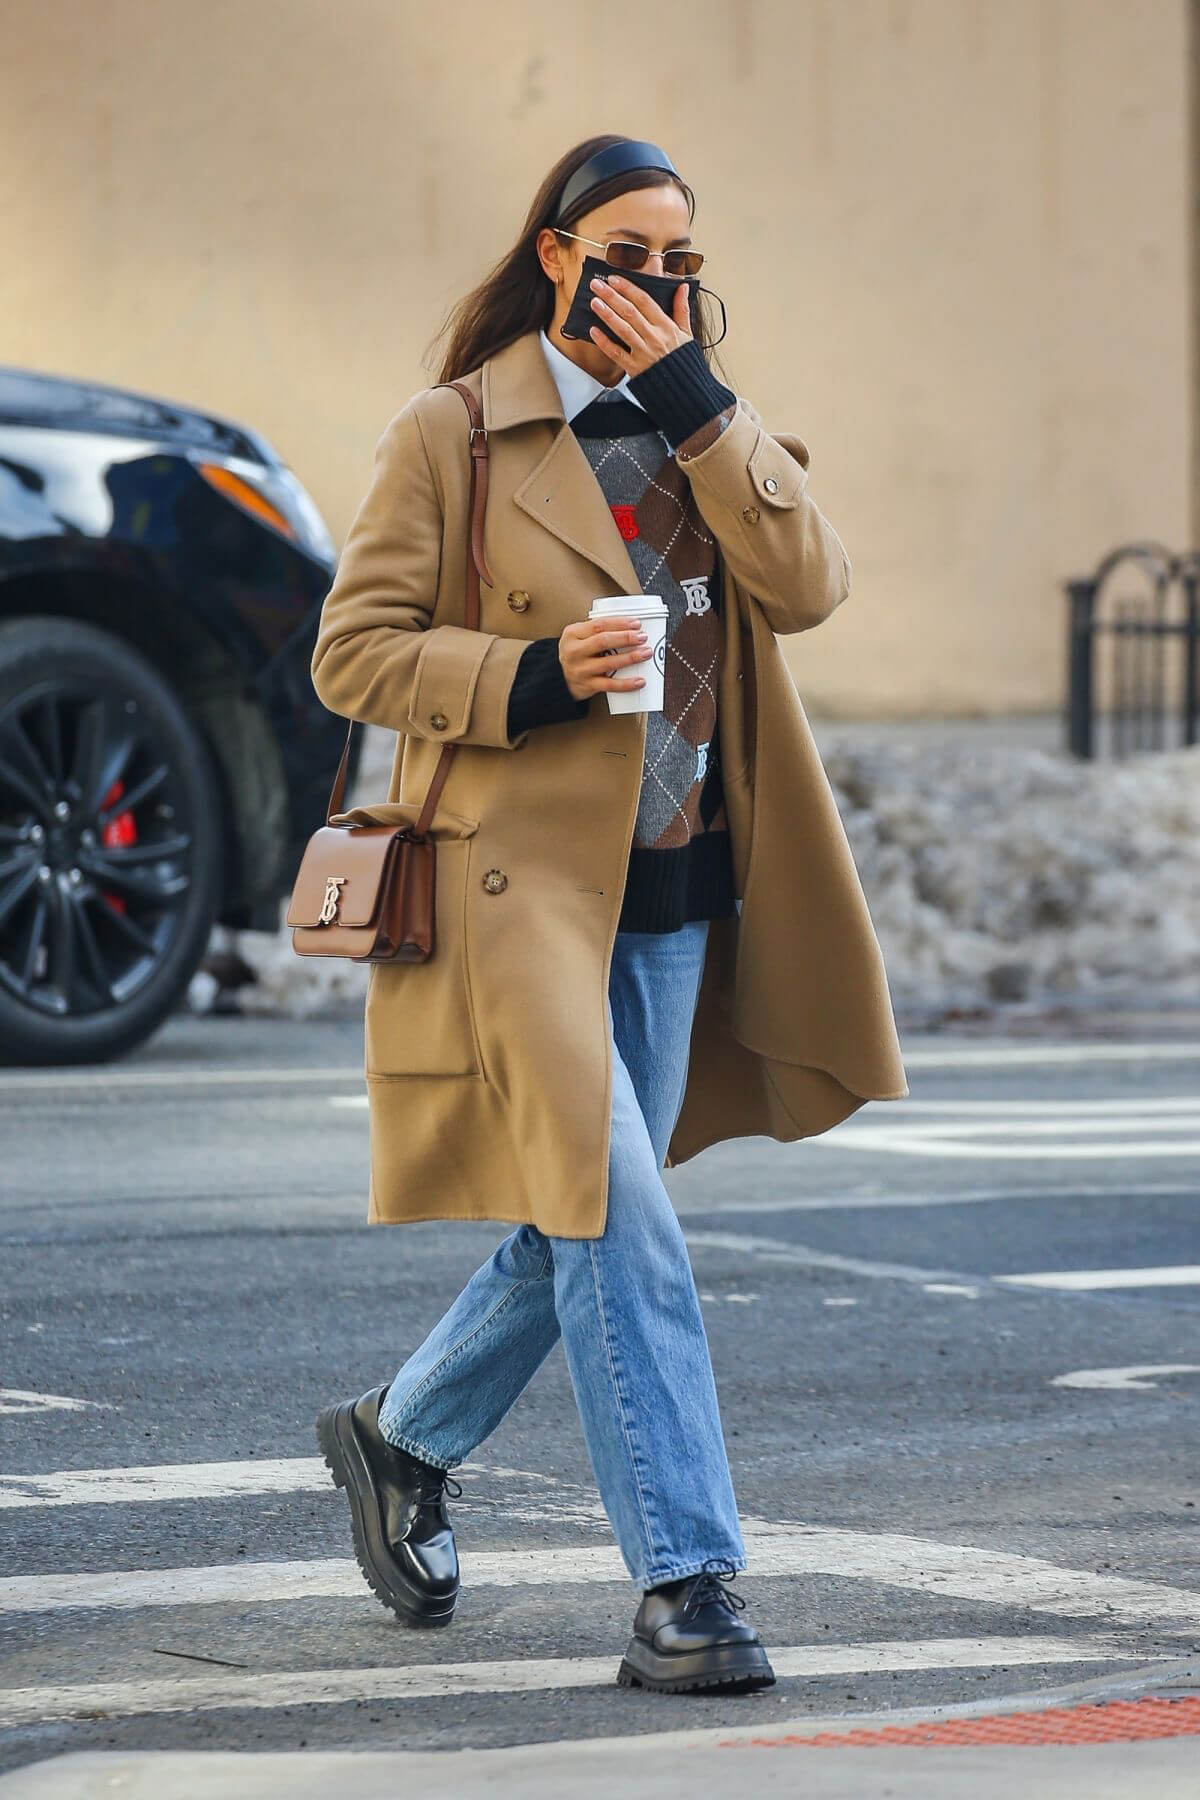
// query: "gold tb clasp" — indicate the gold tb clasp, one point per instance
point(329, 906)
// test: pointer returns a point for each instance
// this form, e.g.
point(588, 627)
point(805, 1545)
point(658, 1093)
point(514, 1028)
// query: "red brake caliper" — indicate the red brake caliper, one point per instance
point(121, 829)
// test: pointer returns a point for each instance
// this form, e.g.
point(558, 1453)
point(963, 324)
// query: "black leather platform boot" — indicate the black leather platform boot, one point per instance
point(688, 1639)
point(402, 1535)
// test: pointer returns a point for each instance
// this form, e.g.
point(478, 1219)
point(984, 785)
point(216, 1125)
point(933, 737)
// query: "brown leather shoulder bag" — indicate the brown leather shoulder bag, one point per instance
point(366, 891)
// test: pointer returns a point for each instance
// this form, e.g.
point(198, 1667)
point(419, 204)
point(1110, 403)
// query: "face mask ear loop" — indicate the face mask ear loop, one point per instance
point(724, 317)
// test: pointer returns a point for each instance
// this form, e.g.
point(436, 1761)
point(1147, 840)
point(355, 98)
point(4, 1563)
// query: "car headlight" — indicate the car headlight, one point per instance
point(274, 496)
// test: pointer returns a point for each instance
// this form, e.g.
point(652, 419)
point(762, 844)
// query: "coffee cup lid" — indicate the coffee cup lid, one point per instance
point(632, 604)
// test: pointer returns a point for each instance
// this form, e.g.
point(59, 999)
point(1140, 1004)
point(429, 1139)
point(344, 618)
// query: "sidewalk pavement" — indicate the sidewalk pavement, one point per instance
point(1023, 731)
point(777, 1759)
point(1078, 1019)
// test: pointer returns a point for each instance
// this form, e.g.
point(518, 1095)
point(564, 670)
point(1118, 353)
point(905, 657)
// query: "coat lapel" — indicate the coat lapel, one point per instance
point(561, 491)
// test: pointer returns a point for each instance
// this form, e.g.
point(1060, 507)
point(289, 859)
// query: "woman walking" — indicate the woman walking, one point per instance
point(650, 934)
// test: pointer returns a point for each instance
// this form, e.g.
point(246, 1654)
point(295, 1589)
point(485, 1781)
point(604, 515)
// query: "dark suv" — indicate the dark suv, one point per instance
point(163, 757)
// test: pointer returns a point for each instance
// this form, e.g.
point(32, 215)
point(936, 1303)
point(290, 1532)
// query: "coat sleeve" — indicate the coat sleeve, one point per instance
point(378, 656)
point(751, 489)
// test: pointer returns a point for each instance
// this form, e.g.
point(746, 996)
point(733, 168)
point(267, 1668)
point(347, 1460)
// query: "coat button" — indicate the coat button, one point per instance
point(495, 881)
point(771, 485)
point(518, 599)
point(439, 721)
point(750, 514)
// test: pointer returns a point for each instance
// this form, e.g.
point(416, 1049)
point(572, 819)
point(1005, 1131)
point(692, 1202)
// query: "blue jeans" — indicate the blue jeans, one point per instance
point(625, 1305)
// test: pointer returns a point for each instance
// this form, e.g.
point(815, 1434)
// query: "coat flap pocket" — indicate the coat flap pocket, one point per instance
point(445, 824)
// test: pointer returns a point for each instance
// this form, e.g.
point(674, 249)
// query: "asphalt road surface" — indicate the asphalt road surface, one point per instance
point(956, 1343)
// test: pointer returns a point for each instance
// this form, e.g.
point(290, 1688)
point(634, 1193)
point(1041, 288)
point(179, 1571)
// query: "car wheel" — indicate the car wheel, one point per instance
point(110, 844)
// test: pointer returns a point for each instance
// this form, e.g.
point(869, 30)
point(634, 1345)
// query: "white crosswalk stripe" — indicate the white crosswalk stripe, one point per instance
point(1016, 1130)
point(429, 1681)
point(1001, 1580)
point(546, 1500)
point(1092, 1280)
point(987, 1577)
point(889, 1558)
point(165, 1481)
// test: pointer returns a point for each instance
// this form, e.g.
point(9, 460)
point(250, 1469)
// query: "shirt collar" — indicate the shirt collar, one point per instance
point(576, 387)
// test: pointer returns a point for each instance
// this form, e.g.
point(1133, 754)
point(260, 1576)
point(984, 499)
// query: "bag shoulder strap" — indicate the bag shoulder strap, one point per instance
point(476, 568)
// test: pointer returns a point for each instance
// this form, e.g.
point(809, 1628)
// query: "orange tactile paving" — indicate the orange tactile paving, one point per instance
point(1106, 1722)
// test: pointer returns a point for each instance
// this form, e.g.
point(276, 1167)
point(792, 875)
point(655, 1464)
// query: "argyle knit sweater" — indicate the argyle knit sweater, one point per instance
point(680, 867)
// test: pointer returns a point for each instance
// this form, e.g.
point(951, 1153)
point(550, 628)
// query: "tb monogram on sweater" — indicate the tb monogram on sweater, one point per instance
point(680, 867)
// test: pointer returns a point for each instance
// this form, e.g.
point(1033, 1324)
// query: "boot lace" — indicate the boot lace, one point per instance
point(436, 1485)
point(714, 1585)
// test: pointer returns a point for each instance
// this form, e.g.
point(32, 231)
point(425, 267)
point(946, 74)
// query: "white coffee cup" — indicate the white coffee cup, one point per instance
point(650, 611)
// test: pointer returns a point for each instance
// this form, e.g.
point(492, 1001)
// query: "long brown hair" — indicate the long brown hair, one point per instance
point(514, 296)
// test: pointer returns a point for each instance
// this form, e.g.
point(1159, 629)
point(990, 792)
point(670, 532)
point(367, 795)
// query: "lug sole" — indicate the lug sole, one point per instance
point(728, 1668)
point(345, 1461)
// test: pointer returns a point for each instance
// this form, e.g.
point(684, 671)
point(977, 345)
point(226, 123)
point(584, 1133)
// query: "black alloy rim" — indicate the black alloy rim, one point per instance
point(95, 848)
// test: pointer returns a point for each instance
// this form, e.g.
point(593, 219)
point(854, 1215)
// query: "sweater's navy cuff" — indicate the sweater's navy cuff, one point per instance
point(680, 392)
point(539, 694)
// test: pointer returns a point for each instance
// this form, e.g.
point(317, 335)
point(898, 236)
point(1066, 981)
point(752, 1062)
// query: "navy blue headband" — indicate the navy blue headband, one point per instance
point(607, 163)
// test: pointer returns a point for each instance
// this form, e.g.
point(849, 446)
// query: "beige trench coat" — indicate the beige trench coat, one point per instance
point(489, 1068)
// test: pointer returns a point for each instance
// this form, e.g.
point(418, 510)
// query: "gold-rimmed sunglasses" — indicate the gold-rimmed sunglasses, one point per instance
point(620, 254)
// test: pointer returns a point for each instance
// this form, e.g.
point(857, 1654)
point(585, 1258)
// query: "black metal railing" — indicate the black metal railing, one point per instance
point(1133, 657)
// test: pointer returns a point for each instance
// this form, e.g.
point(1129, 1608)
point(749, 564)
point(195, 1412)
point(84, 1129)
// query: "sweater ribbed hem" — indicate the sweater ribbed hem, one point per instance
point(665, 889)
point(680, 392)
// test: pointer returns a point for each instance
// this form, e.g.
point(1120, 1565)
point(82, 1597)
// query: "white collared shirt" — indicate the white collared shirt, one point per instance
point(576, 387)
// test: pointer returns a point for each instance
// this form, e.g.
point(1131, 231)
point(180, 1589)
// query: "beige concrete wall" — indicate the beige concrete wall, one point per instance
point(951, 234)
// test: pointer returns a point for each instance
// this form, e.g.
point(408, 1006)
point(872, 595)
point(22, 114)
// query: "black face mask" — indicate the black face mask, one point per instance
point(582, 315)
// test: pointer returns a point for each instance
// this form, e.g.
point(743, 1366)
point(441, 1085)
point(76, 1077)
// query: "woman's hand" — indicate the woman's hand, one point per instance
point(590, 649)
point(638, 318)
